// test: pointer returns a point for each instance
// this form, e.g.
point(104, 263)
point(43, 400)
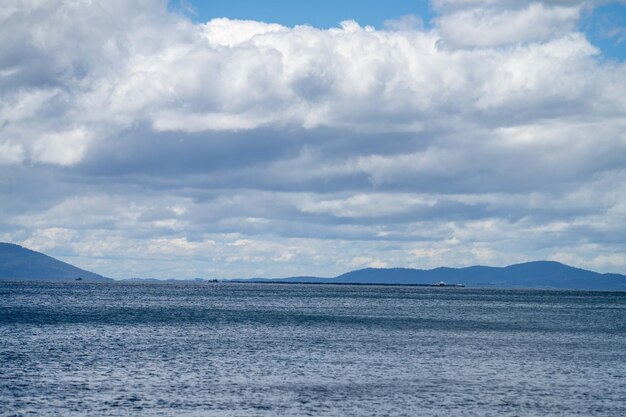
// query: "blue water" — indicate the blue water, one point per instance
point(70, 349)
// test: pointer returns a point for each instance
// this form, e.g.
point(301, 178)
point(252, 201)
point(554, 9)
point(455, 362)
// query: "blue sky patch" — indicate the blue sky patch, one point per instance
point(318, 13)
point(605, 27)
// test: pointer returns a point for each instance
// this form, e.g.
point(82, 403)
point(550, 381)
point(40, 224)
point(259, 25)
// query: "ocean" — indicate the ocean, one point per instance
point(227, 349)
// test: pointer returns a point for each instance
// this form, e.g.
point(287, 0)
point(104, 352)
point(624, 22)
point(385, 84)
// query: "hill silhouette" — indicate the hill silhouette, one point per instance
point(538, 274)
point(19, 263)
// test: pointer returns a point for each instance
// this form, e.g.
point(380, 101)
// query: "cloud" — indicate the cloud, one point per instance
point(49, 238)
point(480, 27)
point(64, 148)
point(131, 138)
point(366, 262)
point(404, 23)
point(11, 153)
point(228, 75)
point(449, 6)
point(229, 33)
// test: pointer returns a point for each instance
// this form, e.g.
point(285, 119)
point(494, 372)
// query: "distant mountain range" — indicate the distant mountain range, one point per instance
point(19, 263)
point(540, 274)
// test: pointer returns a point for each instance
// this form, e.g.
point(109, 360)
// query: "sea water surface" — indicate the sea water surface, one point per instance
point(226, 349)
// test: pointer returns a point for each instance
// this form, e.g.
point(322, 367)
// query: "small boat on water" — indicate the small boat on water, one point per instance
point(443, 284)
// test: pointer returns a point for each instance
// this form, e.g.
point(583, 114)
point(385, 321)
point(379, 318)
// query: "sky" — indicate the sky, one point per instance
point(318, 13)
point(146, 138)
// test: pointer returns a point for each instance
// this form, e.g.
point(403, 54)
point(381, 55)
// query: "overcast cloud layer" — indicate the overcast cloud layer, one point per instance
point(134, 142)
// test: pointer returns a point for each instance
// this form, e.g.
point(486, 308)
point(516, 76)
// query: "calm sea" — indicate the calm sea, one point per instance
point(73, 349)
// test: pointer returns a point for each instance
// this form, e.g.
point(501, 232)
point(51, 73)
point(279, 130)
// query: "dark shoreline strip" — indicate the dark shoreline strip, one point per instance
point(344, 283)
